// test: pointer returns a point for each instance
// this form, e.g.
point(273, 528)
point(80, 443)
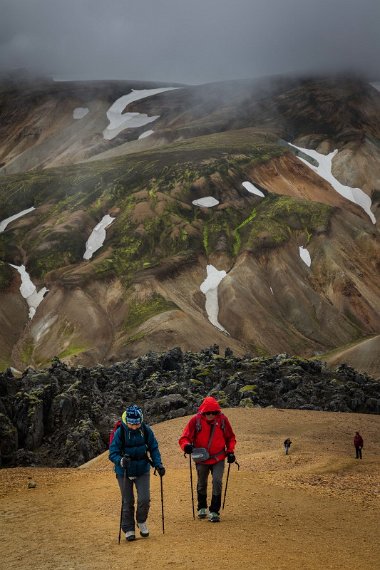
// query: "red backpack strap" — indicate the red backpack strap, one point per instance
point(222, 422)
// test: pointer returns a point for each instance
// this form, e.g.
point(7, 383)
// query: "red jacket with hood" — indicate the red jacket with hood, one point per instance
point(198, 431)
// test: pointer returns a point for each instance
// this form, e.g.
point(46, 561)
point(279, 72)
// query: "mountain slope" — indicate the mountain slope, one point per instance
point(141, 290)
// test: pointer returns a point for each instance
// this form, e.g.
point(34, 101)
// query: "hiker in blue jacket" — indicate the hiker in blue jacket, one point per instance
point(129, 448)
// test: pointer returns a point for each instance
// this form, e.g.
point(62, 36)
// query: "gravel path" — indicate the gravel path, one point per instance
point(316, 508)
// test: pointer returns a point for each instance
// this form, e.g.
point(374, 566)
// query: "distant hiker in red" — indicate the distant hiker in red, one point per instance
point(209, 429)
point(358, 443)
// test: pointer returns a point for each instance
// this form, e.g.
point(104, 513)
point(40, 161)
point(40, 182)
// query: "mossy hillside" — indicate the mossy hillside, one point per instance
point(71, 351)
point(5, 362)
point(64, 248)
point(80, 185)
point(139, 312)
point(98, 186)
point(276, 219)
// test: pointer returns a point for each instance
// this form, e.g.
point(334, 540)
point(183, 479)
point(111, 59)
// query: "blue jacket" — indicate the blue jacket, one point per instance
point(136, 448)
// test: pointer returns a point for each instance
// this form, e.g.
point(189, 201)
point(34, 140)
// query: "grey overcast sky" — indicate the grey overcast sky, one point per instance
point(190, 41)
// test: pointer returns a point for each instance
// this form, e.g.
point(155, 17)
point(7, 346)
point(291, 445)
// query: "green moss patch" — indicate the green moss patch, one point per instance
point(276, 218)
point(138, 313)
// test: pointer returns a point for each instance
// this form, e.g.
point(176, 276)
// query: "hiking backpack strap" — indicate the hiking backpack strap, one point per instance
point(222, 425)
point(198, 424)
point(146, 436)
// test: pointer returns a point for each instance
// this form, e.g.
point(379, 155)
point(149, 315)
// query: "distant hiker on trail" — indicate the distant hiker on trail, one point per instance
point(287, 444)
point(129, 448)
point(209, 429)
point(358, 443)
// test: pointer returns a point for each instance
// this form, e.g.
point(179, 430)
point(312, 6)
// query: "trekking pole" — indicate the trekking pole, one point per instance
point(228, 474)
point(225, 489)
point(191, 485)
point(162, 507)
point(122, 500)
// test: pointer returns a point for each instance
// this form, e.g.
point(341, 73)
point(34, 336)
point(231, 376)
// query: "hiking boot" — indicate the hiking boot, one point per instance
point(143, 529)
point(130, 535)
point(213, 517)
point(202, 513)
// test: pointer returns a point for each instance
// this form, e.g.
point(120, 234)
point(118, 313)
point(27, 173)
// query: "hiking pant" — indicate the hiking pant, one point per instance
point(203, 470)
point(358, 452)
point(287, 447)
point(142, 484)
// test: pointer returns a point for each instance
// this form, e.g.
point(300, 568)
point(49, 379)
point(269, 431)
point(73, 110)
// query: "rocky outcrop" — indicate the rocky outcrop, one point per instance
point(62, 416)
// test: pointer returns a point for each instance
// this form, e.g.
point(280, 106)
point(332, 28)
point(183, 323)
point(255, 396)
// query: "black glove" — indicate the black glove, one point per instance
point(124, 462)
point(161, 470)
point(231, 458)
point(188, 448)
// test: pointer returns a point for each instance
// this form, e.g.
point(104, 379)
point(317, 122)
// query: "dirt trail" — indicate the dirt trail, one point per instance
point(317, 508)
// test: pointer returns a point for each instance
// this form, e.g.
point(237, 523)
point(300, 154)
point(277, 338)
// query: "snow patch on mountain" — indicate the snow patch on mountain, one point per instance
point(80, 112)
point(305, 255)
point(145, 134)
point(252, 189)
point(118, 121)
point(29, 291)
point(209, 288)
point(207, 202)
point(7, 221)
point(97, 237)
point(355, 195)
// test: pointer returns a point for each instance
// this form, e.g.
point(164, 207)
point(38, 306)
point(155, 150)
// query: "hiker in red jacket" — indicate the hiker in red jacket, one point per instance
point(209, 429)
point(358, 443)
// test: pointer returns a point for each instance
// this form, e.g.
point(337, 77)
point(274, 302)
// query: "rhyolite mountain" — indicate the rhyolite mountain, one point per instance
point(141, 290)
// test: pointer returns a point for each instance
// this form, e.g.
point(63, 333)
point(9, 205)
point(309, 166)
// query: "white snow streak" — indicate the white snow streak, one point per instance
point(209, 288)
point(43, 327)
point(355, 195)
point(29, 291)
point(305, 255)
point(376, 85)
point(207, 202)
point(7, 221)
point(271, 290)
point(97, 237)
point(120, 121)
point(145, 134)
point(252, 189)
point(80, 112)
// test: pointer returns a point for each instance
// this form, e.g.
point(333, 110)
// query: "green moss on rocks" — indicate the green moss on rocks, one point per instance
point(251, 388)
point(246, 403)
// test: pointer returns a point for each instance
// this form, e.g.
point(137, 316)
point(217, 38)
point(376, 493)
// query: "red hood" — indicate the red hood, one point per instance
point(209, 404)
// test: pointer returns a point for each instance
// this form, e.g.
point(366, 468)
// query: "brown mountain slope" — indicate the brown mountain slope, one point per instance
point(141, 290)
point(363, 355)
point(310, 509)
